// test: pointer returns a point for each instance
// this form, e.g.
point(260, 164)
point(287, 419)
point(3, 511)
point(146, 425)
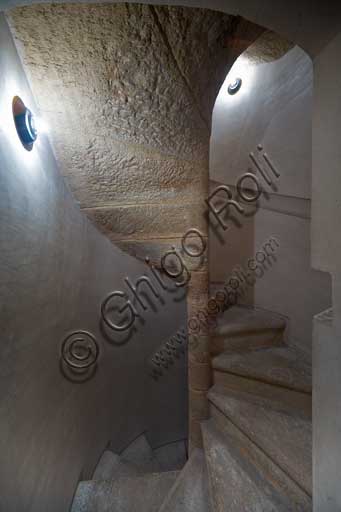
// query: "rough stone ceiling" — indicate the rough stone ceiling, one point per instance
point(309, 23)
point(128, 91)
point(125, 90)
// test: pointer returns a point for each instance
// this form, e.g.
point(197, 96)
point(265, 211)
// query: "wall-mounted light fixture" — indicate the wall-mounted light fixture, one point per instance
point(234, 87)
point(24, 123)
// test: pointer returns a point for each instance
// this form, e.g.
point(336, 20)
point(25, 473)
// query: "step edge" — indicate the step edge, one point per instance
point(282, 478)
point(252, 440)
point(269, 381)
point(183, 474)
point(240, 330)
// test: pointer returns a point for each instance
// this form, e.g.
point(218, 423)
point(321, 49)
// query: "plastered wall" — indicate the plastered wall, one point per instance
point(55, 271)
point(271, 115)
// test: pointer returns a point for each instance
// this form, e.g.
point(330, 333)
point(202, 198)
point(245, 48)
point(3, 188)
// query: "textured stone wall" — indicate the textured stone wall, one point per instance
point(128, 92)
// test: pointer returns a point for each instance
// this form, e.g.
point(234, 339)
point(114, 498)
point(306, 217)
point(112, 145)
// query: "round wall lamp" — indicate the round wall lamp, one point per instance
point(24, 123)
point(234, 87)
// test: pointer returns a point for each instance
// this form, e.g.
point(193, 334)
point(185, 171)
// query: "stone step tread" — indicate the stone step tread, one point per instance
point(190, 491)
point(239, 320)
point(239, 484)
point(278, 398)
point(282, 366)
point(141, 455)
point(110, 466)
point(172, 456)
point(285, 438)
point(139, 494)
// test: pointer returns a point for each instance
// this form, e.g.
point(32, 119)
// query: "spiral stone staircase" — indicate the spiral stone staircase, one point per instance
point(256, 444)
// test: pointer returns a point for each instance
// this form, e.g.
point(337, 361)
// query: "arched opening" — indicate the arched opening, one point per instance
point(265, 130)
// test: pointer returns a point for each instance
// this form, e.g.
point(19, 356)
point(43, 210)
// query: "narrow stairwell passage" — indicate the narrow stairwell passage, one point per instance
point(138, 479)
point(257, 442)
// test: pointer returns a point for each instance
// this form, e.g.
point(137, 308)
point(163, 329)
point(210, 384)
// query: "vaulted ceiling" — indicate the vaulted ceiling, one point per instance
point(127, 91)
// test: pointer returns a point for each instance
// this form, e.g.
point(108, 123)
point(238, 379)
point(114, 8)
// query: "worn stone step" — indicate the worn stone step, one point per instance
point(140, 454)
point(242, 327)
point(280, 398)
point(190, 491)
point(246, 319)
point(285, 438)
point(138, 494)
point(172, 456)
point(110, 466)
point(281, 366)
point(241, 478)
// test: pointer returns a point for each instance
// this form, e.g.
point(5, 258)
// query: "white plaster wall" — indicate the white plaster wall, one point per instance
point(326, 184)
point(273, 108)
point(326, 414)
point(55, 270)
point(326, 255)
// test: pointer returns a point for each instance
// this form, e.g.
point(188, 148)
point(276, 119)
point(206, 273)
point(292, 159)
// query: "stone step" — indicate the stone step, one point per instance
point(282, 399)
point(246, 319)
point(140, 454)
point(281, 366)
point(241, 478)
point(138, 494)
point(172, 456)
point(110, 466)
point(285, 438)
point(242, 327)
point(190, 491)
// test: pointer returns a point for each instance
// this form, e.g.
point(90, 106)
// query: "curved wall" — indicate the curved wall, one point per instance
point(55, 270)
point(272, 111)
